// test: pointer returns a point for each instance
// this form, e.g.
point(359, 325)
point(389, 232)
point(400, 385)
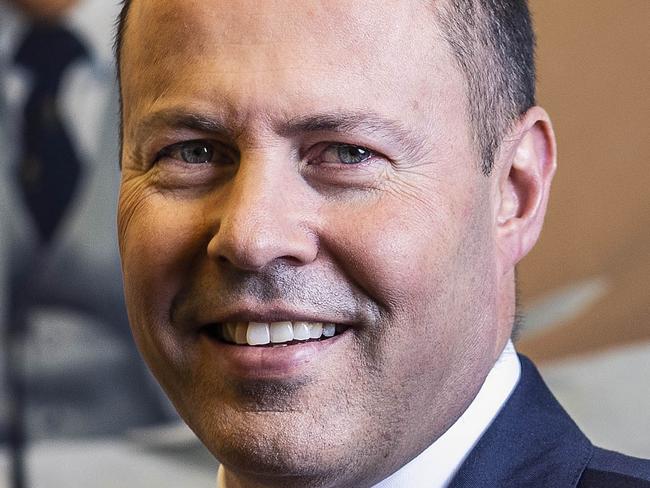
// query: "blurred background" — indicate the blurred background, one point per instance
point(585, 288)
point(87, 412)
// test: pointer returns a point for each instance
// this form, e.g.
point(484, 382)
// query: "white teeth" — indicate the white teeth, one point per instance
point(258, 334)
point(315, 330)
point(301, 331)
point(241, 332)
point(226, 334)
point(261, 333)
point(231, 330)
point(329, 330)
point(281, 332)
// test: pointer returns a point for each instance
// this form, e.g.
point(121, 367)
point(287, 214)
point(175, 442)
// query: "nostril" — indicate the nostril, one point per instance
point(291, 260)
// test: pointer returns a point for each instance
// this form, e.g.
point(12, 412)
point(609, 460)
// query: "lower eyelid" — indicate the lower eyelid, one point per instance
point(327, 166)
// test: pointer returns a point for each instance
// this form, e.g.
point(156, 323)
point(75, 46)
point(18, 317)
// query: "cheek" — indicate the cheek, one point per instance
point(391, 248)
point(159, 241)
point(427, 265)
point(428, 269)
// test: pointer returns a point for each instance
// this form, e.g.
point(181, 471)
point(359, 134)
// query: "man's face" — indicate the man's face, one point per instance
point(331, 180)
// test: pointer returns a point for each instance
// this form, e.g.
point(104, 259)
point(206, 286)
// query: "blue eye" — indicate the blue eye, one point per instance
point(345, 154)
point(196, 152)
point(199, 152)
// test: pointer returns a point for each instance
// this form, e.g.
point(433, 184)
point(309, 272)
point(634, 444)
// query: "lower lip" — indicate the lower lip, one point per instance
point(276, 362)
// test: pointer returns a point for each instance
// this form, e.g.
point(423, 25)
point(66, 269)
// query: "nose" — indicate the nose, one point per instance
point(262, 217)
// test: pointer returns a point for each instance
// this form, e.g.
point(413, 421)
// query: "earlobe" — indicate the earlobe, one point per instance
point(524, 185)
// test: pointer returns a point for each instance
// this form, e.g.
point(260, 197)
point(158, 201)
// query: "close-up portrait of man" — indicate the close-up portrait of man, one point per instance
point(321, 209)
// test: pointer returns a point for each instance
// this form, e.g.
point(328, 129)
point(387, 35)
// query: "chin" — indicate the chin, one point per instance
point(276, 445)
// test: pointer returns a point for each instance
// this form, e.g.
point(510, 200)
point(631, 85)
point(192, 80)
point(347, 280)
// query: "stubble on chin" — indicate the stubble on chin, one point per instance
point(268, 395)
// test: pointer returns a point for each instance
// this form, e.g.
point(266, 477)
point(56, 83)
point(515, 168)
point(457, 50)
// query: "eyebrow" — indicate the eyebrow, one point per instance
point(367, 123)
point(179, 119)
point(356, 122)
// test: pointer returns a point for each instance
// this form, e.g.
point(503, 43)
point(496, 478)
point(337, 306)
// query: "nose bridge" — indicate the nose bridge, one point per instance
point(260, 219)
point(255, 200)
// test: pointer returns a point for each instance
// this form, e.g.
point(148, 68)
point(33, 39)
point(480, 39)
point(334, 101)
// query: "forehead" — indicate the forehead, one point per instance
point(246, 54)
point(238, 23)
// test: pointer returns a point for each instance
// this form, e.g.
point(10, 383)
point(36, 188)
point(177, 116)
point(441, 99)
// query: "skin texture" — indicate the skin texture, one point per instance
point(414, 248)
point(45, 9)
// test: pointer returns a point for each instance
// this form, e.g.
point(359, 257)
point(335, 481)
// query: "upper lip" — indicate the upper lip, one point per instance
point(275, 314)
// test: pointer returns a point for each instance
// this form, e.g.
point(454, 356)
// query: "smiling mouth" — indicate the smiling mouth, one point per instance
point(272, 334)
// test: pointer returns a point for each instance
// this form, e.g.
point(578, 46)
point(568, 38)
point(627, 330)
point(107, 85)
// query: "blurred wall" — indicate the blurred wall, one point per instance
point(587, 283)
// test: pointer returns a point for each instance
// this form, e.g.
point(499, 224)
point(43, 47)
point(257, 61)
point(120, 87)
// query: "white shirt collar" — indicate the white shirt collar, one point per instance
point(436, 465)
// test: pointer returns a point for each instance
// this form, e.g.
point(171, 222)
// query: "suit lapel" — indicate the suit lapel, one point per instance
point(531, 443)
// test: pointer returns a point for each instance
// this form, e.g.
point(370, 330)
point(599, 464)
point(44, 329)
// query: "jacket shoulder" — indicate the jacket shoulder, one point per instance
point(608, 469)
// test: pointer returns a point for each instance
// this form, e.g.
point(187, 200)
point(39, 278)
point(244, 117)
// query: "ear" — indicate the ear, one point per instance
point(525, 171)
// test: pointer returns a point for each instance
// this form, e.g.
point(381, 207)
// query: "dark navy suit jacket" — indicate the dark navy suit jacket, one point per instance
point(533, 443)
